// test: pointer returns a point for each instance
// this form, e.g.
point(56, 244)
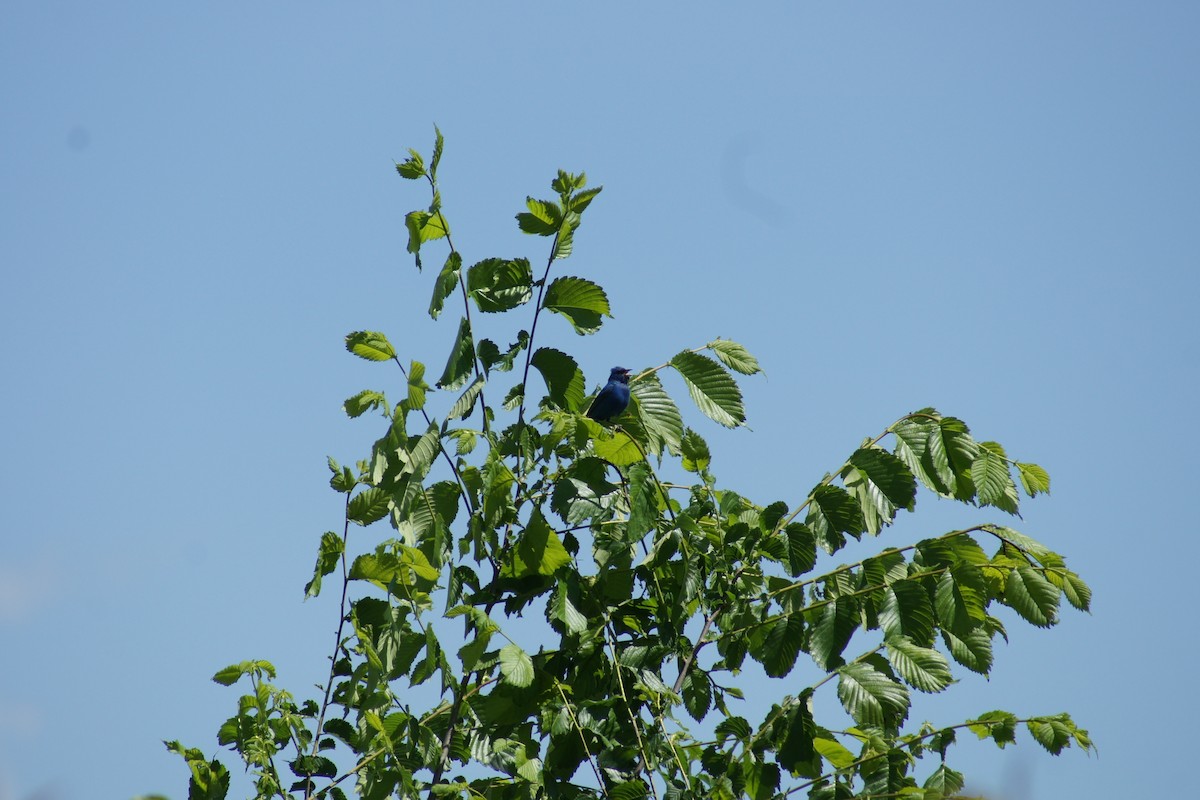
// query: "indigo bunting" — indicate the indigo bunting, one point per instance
point(613, 398)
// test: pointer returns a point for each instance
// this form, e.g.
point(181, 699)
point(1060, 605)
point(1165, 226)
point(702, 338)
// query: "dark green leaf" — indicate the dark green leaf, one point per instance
point(371, 345)
point(831, 513)
point(328, 556)
point(660, 416)
point(369, 505)
point(580, 301)
point(543, 218)
point(461, 360)
point(922, 668)
point(363, 402)
point(498, 285)
point(696, 456)
point(992, 479)
point(713, 390)
point(1032, 596)
point(782, 645)
point(447, 281)
point(538, 551)
point(564, 379)
point(871, 697)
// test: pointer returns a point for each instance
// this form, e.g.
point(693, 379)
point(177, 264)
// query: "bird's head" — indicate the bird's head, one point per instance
point(619, 374)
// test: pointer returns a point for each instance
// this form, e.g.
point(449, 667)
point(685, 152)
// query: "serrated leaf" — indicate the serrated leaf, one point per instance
point(713, 390)
point(696, 455)
point(363, 402)
point(371, 345)
point(565, 241)
point(618, 449)
point(498, 285)
point(659, 414)
point(734, 356)
point(1052, 733)
point(564, 379)
point(882, 483)
point(461, 360)
point(945, 781)
point(466, 401)
point(992, 479)
point(234, 672)
point(369, 505)
point(412, 167)
point(906, 610)
point(580, 301)
point(563, 610)
point(424, 227)
point(782, 645)
point(1034, 479)
point(516, 666)
point(922, 668)
point(870, 697)
point(973, 649)
point(538, 551)
point(831, 513)
point(439, 143)
point(959, 599)
point(1032, 596)
point(801, 549)
point(447, 281)
point(542, 219)
point(328, 555)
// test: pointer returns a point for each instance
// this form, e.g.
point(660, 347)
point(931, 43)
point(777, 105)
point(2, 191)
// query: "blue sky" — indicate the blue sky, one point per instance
point(987, 208)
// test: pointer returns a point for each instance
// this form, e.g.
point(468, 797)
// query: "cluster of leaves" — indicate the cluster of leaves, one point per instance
point(655, 594)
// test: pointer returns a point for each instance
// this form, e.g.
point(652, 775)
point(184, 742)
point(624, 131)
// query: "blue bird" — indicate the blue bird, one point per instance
point(613, 398)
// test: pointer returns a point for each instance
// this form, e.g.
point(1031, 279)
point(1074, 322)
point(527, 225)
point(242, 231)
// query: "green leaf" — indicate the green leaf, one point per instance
point(516, 666)
point(563, 610)
point(1032, 596)
point(580, 301)
point(538, 551)
point(371, 345)
point(871, 697)
point(424, 227)
point(782, 645)
point(1000, 726)
point(363, 402)
point(973, 649)
point(618, 449)
point(413, 167)
point(949, 454)
point(660, 416)
point(959, 599)
point(383, 568)
point(922, 668)
point(564, 379)
point(734, 356)
point(713, 390)
point(369, 505)
point(499, 285)
point(465, 403)
point(438, 144)
point(801, 549)
point(696, 456)
point(1034, 479)
point(945, 781)
point(1053, 733)
point(447, 281)
point(492, 358)
point(416, 385)
point(831, 513)
point(907, 611)
point(234, 672)
point(882, 484)
point(543, 218)
point(328, 555)
point(834, 752)
point(992, 478)
point(461, 360)
point(566, 236)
